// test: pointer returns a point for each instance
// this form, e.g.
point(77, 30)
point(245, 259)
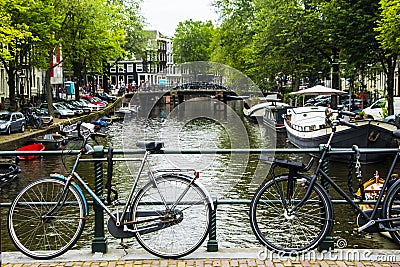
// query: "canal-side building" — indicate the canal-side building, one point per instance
point(152, 70)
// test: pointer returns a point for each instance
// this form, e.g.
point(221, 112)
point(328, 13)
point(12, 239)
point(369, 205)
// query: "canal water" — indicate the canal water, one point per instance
point(226, 176)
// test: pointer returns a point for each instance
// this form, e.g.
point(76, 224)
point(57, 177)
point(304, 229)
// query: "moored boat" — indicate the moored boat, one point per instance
point(306, 128)
point(274, 116)
point(8, 172)
point(70, 131)
point(31, 147)
point(269, 111)
point(128, 110)
point(50, 141)
point(372, 189)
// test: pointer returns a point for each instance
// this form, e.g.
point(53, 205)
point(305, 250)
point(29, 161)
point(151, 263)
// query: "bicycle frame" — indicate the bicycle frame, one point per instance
point(74, 176)
point(370, 218)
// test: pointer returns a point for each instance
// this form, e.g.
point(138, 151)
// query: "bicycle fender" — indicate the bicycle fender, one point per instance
point(63, 178)
point(200, 185)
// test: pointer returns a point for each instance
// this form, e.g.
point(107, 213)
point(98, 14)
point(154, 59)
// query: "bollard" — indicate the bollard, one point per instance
point(212, 244)
point(327, 244)
point(99, 242)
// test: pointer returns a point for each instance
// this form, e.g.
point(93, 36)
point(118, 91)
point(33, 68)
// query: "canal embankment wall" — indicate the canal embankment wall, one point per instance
point(19, 139)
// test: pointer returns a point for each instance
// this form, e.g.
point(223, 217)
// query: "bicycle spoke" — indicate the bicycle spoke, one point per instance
point(46, 237)
point(277, 228)
point(190, 215)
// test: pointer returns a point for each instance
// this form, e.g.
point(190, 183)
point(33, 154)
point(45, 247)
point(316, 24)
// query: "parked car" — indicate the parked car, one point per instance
point(98, 99)
point(42, 114)
point(106, 97)
point(60, 111)
point(356, 106)
point(317, 99)
point(94, 101)
point(377, 109)
point(12, 122)
point(93, 107)
point(80, 105)
point(76, 110)
point(391, 118)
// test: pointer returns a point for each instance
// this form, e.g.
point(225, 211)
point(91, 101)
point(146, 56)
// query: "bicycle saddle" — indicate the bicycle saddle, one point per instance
point(152, 146)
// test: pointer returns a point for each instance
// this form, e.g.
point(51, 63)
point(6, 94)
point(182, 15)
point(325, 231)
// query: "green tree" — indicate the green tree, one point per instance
point(233, 41)
point(192, 40)
point(388, 32)
point(17, 39)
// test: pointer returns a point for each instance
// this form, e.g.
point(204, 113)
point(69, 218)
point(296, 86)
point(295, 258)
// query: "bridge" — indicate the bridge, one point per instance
point(176, 95)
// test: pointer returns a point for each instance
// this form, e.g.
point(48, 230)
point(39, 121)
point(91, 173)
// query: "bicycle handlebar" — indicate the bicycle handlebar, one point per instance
point(91, 134)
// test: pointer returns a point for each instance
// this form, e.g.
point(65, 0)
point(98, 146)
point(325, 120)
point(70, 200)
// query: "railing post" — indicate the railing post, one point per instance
point(99, 242)
point(327, 244)
point(212, 244)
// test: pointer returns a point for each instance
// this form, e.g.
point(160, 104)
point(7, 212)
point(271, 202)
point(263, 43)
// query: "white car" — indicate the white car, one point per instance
point(376, 110)
point(93, 107)
point(60, 111)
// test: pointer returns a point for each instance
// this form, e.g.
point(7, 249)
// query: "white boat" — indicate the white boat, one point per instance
point(72, 132)
point(269, 106)
point(306, 128)
point(127, 111)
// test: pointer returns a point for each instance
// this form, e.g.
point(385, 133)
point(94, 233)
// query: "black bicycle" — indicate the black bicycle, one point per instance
point(293, 213)
point(169, 215)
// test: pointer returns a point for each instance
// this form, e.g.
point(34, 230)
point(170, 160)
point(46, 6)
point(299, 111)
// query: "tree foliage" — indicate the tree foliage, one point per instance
point(306, 38)
point(389, 25)
point(89, 32)
point(192, 41)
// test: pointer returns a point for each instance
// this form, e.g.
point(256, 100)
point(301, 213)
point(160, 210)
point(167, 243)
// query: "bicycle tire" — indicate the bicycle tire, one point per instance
point(194, 210)
point(290, 233)
point(46, 239)
point(391, 209)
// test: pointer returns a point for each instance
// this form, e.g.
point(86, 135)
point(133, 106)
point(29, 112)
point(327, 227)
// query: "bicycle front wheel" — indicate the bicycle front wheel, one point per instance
point(172, 215)
point(282, 231)
point(391, 209)
point(45, 237)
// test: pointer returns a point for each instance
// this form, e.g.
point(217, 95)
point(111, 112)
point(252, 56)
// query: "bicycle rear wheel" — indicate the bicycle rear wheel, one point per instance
point(176, 232)
point(391, 209)
point(283, 232)
point(46, 238)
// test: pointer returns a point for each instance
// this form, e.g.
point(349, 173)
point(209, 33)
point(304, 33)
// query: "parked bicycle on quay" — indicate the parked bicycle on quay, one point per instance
point(169, 215)
point(293, 213)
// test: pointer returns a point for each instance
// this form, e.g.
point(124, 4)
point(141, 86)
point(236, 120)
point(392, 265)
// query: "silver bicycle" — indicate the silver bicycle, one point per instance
point(169, 215)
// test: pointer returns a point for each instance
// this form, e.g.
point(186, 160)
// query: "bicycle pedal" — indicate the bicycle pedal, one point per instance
point(357, 233)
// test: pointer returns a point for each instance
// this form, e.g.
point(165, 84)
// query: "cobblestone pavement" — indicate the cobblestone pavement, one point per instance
point(205, 263)
point(222, 258)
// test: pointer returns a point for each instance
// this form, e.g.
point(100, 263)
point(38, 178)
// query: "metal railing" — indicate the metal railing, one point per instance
point(99, 242)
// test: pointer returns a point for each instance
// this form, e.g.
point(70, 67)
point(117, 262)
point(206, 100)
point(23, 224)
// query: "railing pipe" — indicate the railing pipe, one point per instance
point(99, 242)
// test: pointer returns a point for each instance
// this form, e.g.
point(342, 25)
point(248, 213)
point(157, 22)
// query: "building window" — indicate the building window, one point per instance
point(113, 69)
point(139, 67)
point(131, 79)
point(121, 68)
point(113, 79)
point(129, 68)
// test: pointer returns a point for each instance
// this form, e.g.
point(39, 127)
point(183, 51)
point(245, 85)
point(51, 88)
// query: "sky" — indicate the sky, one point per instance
point(164, 15)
